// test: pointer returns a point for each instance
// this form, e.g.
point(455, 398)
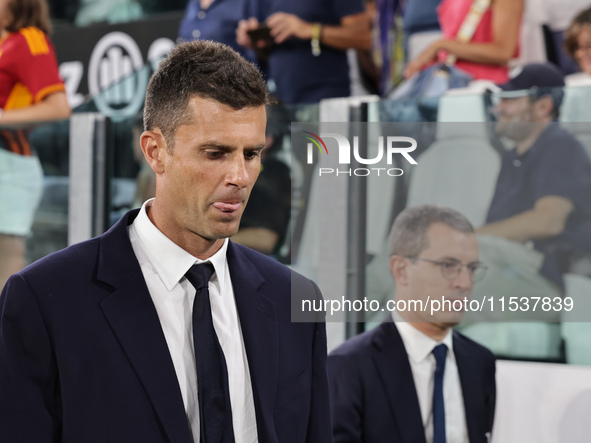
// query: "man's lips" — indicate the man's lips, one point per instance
point(460, 297)
point(227, 206)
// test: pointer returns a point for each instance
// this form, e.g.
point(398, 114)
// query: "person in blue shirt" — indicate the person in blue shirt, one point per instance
point(307, 60)
point(212, 20)
point(543, 189)
point(538, 221)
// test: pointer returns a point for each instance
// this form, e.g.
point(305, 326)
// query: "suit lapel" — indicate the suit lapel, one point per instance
point(258, 322)
point(394, 370)
point(466, 369)
point(133, 318)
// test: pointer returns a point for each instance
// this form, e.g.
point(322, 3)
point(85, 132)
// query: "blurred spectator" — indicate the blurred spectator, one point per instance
point(305, 44)
point(577, 44)
point(30, 90)
point(540, 214)
point(264, 223)
point(559, 15)
point(543, 189)
point(494, 43)
point(212, 20)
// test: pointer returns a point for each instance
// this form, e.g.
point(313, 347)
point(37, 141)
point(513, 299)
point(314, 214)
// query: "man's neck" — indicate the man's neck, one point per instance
point(432, 330)
point(436, 331)
point(194, 244)
point(524, 145)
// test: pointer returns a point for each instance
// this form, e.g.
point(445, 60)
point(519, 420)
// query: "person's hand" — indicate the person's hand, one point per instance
point(242, 37)
point(284, 26)
point(429, 55)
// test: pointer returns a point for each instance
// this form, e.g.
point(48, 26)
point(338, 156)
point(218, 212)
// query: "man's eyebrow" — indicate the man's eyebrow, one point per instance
point(222, 146)
point(212, 144)
point(454, 259)
point(449, 258)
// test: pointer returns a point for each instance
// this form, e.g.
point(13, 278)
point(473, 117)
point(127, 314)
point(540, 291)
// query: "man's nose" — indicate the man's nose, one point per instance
point(465, 279)
point(238, 173)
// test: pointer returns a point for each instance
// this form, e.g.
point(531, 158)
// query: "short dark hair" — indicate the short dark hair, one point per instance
point(571, 34)
point(408, 236)
point(25, 13)
point(205, 69)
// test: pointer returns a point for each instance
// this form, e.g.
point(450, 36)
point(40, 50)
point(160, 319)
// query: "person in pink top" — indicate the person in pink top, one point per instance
point(486, 55)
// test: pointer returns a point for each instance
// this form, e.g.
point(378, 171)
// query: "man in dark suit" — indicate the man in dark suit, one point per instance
point(161, 330)
point(413, 379)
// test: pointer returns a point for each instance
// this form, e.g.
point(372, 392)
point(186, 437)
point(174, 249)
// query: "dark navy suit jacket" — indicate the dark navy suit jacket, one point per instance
point(373, 396)
point(83, 357)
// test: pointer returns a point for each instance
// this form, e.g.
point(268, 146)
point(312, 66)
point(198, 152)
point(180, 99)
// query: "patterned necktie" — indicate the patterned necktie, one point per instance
point(440, 353)
point(215, 411)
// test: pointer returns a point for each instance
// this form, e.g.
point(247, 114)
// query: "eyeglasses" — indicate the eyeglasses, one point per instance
point(450, 268)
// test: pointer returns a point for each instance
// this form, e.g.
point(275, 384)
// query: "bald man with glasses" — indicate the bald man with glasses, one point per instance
point(412, 378)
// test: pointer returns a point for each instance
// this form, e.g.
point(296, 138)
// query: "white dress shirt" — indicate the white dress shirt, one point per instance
point(164, 265)
point(419, 348)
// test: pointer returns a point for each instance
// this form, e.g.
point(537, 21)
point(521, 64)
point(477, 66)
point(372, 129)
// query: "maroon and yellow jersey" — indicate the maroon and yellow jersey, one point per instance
point(28, 74)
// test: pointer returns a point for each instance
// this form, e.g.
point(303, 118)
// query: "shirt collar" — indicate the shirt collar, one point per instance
point(170, 261)
point(418, 345)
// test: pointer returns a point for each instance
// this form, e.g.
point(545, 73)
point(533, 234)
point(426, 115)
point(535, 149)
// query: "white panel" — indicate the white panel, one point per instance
point(80, 211)
point(542, 403)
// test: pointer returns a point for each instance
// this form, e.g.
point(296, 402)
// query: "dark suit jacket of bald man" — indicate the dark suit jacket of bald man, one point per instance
point(83, 357)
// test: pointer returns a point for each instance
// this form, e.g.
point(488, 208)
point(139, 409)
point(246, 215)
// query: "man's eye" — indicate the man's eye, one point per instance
point(448, 265)
point(252, 154)
point(215, 154)
point(473, 268)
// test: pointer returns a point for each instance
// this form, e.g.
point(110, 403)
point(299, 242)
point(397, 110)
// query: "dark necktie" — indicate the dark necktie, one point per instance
point(215, 412)
point(440, 353)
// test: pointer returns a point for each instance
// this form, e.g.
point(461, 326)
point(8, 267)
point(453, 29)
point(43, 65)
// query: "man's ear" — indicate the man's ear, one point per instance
point(154, 149)
point(543, 108)
point(399, 269)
